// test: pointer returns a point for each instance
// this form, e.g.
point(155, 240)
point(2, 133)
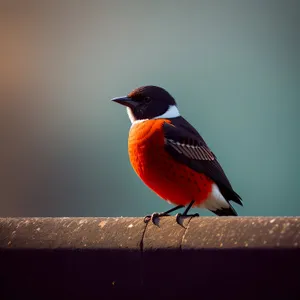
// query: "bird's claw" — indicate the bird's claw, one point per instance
point(181, 215)
point(150, 218)
point(154, 216)
point(178, 218)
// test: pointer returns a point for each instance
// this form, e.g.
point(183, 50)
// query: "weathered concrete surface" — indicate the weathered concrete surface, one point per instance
point(167, 234)
point(242, 232)
point(128, 233)
point(75, 233)
point(110, 258)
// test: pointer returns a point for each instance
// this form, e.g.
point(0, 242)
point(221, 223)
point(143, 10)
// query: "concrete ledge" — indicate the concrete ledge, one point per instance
point(232, 258)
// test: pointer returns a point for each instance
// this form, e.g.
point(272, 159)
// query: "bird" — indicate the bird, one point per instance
point(170, 156)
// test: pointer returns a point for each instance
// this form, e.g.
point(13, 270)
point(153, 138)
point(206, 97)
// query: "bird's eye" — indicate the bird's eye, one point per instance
point(147, 100)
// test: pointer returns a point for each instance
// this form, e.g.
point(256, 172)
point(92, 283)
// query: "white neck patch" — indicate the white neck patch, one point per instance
point(130, 115)
point(172, 112)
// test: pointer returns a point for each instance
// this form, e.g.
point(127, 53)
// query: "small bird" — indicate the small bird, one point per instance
point(171, 157)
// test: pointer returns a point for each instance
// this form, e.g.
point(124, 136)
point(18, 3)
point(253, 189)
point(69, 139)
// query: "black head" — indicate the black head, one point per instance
point(146, 102)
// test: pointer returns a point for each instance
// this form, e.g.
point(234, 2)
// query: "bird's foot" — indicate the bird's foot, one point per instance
point(154, 216)
point(183, 215)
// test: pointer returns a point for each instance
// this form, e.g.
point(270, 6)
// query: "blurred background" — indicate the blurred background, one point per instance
point(232, 66)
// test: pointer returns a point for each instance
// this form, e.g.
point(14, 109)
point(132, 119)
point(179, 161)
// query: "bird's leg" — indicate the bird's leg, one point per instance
point(185, 212)
point(162, 214)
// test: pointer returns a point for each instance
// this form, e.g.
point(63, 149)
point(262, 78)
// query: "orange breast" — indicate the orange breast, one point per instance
point(169, 179)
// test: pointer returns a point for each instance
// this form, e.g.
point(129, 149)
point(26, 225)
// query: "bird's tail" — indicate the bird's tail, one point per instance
point(225, 211)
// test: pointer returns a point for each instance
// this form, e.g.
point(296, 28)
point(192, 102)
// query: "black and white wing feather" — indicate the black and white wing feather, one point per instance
point(191, 150)
point(186, 146)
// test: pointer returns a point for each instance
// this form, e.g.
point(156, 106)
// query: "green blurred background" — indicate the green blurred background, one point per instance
point(232, 66)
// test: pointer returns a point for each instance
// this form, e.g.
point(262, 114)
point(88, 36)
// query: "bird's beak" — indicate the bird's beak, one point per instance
point(126, 101)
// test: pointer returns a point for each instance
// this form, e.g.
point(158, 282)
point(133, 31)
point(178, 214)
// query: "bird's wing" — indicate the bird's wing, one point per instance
point(186, 146)
point(189, 147)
